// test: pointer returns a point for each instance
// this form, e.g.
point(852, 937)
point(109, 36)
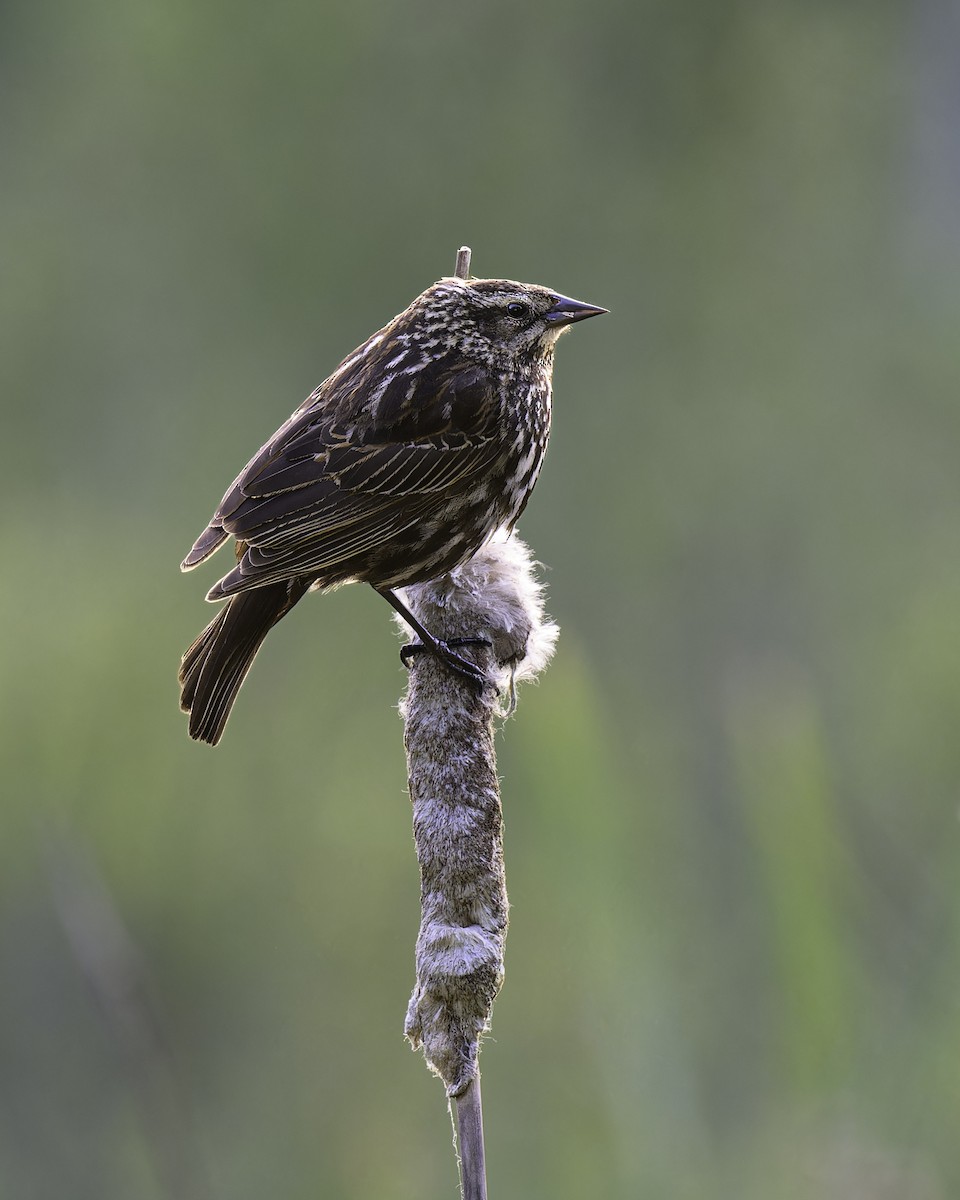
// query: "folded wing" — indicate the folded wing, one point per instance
point(338, 480)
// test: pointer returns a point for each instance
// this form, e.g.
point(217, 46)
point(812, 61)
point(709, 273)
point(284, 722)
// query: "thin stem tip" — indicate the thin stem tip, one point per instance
point(462, 270)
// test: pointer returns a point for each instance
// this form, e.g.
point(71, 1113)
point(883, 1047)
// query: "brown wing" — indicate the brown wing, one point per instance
point(321, 492)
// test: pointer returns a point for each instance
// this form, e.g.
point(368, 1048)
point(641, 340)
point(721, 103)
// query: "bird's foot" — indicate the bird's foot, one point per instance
point(461, 666)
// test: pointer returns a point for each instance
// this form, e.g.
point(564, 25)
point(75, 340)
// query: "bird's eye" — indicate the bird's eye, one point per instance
point(516, 309)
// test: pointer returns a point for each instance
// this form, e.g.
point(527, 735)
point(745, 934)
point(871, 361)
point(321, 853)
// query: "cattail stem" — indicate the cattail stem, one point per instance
point(473, 1173)
point(457, 818)
point(462, 269)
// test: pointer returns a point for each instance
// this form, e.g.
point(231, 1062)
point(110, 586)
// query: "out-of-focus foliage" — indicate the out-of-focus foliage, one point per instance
point(732, 831)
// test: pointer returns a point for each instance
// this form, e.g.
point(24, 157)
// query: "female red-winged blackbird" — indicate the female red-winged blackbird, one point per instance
point(420, 445)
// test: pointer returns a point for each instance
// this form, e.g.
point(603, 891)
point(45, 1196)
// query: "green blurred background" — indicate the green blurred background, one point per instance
point(731, 805)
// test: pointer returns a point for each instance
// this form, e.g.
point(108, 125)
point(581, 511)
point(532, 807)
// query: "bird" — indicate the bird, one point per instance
point(422, 444)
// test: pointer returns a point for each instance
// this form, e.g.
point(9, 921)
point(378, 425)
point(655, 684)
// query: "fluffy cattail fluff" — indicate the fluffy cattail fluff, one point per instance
point(457, 818)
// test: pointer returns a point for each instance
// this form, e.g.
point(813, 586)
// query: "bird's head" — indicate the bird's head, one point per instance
point(497, 321)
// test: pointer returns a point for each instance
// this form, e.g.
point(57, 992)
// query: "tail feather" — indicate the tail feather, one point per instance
point(216, 664)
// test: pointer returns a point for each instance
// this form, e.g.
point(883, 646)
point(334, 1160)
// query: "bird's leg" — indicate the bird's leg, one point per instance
point(434, 645)
point(412, 649)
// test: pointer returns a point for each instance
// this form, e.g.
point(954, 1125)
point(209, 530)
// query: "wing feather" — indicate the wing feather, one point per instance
point(335, 481)
point(325, 556)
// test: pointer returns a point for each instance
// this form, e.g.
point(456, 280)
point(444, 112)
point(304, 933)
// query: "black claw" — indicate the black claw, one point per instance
point(410, 651)
point(469, 641)
point(455, 662)
point(428, 642)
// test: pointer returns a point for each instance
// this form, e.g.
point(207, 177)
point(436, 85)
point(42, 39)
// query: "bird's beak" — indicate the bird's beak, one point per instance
point(565, 311)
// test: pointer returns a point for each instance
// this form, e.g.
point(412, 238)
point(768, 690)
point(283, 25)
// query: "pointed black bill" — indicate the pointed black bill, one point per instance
point(565, 311)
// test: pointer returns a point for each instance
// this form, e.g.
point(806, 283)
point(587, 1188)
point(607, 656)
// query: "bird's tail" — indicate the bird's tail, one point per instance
point(214, 667)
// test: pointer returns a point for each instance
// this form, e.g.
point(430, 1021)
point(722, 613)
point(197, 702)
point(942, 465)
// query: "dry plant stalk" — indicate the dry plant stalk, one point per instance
point(457, 816)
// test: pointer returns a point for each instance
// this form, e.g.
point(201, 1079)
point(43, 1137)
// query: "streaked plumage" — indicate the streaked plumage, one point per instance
point(424, 441)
